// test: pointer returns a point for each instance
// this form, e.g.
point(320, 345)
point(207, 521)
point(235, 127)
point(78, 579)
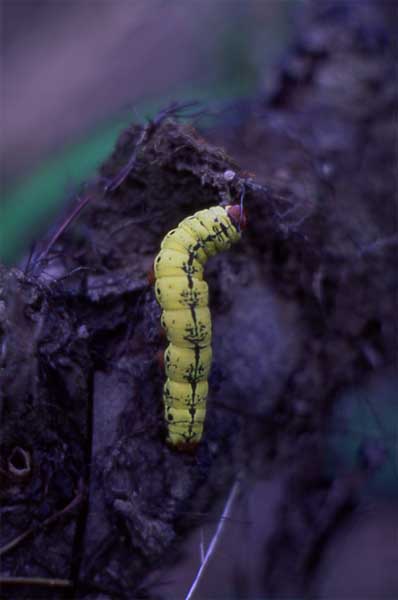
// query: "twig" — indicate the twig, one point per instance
point(387, 242)
point(62, 228)
point(146, 133)
point(202, 546)
point(32, 530)
point(47, 275)
point(139, 220)
point(31, 253)
point(42, 581)
point(73, 271)
point(215, 538)
point(126, 170)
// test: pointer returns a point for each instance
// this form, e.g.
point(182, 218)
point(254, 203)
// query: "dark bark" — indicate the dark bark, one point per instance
point(302, 308)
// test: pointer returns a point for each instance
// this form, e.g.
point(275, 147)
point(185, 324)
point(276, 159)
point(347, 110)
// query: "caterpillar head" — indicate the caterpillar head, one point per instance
point(237, 214)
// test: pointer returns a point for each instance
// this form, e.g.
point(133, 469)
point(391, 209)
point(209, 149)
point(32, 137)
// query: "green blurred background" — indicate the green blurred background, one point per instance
point(76, 73)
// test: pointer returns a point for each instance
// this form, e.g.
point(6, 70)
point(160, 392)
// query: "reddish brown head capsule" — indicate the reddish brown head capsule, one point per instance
point(237, 215)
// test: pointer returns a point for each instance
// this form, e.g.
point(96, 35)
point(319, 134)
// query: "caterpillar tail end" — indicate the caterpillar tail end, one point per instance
point(185, 447)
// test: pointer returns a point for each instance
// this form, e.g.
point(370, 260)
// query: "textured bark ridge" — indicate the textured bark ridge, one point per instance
point(303, 307)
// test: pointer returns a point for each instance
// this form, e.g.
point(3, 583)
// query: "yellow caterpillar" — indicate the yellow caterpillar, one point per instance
point(184, 299)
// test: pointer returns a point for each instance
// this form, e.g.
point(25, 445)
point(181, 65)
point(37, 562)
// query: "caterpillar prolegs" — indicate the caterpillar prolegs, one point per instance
point(184, 299)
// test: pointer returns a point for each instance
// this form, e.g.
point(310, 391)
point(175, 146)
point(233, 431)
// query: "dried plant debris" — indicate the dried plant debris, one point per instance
point(303, 307)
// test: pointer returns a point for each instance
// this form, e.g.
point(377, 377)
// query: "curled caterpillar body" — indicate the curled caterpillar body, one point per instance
point(184, 299)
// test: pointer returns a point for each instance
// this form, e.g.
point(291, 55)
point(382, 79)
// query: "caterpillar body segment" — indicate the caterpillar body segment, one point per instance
point(181, 364)
point(184, 297)
point(171, 263)
point(188, 328)
point(173, 294)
